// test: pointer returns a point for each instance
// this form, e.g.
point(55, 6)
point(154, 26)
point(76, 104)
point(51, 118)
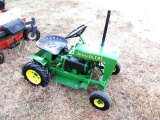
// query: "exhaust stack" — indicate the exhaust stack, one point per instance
point(106, 27)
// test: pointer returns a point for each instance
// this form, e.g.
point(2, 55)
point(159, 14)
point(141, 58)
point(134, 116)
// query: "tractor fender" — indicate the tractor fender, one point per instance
point(38, 59)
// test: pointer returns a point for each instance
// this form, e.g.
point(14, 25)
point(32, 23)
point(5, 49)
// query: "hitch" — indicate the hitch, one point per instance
point(14, 44)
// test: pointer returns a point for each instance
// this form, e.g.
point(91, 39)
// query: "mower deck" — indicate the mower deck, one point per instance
point(6, 42)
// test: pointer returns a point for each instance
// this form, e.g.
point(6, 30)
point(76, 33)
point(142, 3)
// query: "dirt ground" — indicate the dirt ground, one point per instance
point(133, 29)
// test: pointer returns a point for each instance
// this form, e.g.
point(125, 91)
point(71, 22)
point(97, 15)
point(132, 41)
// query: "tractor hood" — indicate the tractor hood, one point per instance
point(96, 53)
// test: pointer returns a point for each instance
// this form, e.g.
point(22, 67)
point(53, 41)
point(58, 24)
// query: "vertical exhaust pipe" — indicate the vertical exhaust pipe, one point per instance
point(105, 28)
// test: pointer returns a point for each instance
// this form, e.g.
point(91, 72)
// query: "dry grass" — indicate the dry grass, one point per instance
point(135, 92)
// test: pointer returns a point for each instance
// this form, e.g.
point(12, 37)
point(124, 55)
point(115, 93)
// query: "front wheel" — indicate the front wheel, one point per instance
point(100, 100)
point(28, 32)
point(36, 74)
point(1, 57)
point(117, 69)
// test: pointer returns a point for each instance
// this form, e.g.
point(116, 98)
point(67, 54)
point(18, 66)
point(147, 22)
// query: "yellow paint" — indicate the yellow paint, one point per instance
point(114, 70)
point(33, 77)
point(88, 56)
point(99, 103)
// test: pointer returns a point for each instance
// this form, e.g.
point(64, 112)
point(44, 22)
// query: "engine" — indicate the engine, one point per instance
point(78, 65)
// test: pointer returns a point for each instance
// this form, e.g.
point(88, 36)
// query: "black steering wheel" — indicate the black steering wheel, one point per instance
point(77, 32)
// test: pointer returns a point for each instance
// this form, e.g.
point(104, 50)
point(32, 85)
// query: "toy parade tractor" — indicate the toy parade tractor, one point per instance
point(13, 29)
point(75, 67)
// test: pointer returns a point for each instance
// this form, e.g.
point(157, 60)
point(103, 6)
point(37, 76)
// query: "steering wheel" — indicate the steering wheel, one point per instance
point(77, 32)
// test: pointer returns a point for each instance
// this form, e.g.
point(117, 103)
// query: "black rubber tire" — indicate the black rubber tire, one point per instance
point(117, 69)
point(1, 57)
point(38, 71)
point(2, 5)
point(97, 96)
point(27, 34)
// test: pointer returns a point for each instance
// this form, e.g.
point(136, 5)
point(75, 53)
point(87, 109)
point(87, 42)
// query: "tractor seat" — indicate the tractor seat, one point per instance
point(52, 43)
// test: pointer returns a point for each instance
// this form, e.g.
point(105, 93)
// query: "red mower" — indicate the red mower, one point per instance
point(13, 29)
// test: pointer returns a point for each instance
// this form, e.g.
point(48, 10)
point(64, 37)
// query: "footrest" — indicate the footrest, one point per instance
point(14, 27)
point(71, 83)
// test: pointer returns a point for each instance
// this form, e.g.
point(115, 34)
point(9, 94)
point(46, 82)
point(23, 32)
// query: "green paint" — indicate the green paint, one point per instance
point(72, 77)
point(74, 74)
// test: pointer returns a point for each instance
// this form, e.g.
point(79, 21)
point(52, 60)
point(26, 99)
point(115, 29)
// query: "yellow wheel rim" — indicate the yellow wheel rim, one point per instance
point(33, 77)
point(114, 70)
point(99, 103)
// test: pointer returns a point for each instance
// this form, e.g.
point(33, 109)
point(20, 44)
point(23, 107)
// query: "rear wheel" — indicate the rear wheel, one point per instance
point(36, 74)
point(100, 100)
point(2, 4)
point(1, 57)
point(117, 69)
point(28, 32)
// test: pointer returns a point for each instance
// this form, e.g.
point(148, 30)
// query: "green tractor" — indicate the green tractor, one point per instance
point(77, 67)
